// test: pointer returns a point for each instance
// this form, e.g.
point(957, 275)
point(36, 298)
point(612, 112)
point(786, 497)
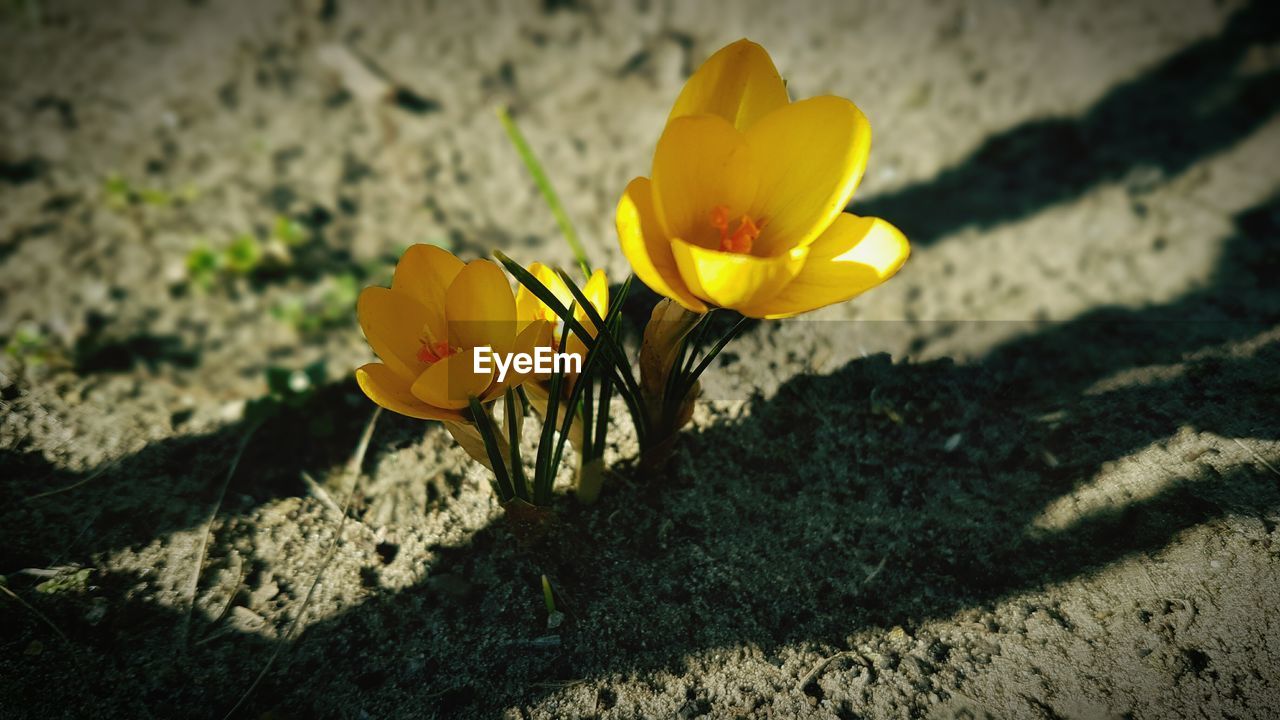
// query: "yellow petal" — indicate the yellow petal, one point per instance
point(700, 163)
point(554, 283)
point(480, 308)
point(392, 323)
point(535, 334)
point(389, 390)
point(738, 83)
point(452, 381)
point(529, 307)
point(575, 346)
point(597, 292)
point(735, 280)
point(647, 247)
point(809, 156)
point(854, 255)
point(424, 273)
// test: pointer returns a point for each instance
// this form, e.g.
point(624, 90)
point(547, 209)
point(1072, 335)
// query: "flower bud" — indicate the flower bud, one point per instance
point(663, 337)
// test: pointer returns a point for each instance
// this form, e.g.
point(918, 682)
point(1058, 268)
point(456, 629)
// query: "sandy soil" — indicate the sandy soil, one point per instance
point(1034, 476)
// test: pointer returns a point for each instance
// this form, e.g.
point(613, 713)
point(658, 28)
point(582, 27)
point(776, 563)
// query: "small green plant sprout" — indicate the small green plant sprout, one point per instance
point(203, 265)
point(286, 236)
point(288, 231)
point(243, 255)
point(292, 388)
point(66, 580)
point(120, 194)
point(547, 597)
point(155, 197)
point(327, 305)
point(555, 618)
point(117, 193)
point(29, 346)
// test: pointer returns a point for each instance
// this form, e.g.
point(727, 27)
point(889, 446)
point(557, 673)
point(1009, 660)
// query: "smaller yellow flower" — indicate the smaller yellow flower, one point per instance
point(590, 473)
point(530, 309)
point(426, 327)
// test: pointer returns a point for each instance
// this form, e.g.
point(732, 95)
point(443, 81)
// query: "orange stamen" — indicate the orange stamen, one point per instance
point(720, 219)
point(741, 239)
point(432, 353)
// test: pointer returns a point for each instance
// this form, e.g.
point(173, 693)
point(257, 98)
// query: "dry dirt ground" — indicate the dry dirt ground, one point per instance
point(1033, 476)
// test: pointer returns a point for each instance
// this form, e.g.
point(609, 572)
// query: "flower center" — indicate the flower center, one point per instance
point(432, 350)
point(432, 353)
point(738, 240)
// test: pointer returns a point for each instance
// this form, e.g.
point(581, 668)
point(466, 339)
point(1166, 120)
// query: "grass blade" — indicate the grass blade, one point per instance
point(586, 408)
point(485, 425)
point(734, 332)
point(585, 379)
point(587, 376)
point(602, 419)
point(545, 472)
point(543, 293)
point(620, 357)
point(544, 186)
point(622, 366)
point(694, 338)
point(513, 439)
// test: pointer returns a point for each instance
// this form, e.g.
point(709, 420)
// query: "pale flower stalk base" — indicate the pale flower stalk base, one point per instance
point(664, 336)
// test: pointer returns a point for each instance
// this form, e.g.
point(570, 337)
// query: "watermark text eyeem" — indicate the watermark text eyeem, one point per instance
point(542, 361)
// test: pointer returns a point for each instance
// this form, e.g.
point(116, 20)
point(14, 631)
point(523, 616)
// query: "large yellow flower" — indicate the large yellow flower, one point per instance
point(426, 327)
point(744, 209)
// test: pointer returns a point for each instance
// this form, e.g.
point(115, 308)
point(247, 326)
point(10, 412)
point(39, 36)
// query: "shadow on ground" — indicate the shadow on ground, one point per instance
point(771, 536)
point(170, 485)
point(1195, 103)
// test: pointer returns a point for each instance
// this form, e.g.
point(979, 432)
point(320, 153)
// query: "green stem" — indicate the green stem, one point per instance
point(513, 439)
point(687, 354)
point(611, 343)
point(734, 332)
point(621, 365)
point(693, 339)
point(484, 424)
point(602, 421)
point(544, 477)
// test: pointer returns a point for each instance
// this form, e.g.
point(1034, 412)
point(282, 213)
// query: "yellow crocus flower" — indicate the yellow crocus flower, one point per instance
point(425, 329)
point(744, 208)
